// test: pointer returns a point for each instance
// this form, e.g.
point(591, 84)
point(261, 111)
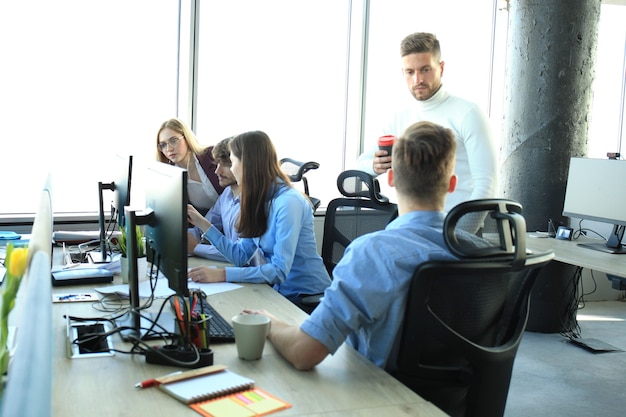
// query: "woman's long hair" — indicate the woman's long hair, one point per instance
point(261, 175)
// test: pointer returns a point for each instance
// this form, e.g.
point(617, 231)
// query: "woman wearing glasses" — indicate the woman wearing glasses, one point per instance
point(177, 145)
point(276, 238)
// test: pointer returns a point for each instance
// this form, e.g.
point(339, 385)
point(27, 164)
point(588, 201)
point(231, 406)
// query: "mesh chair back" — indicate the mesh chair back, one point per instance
point(362, 210)
point(295, 170)
point(464, 319)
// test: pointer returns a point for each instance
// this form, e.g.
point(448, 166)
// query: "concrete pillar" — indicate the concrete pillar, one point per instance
point(550, 67)
point(551, 50)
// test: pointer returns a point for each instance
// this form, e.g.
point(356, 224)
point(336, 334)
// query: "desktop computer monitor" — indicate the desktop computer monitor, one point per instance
point(121, 198)
point(166, 233)
point(594, 193)
point(165, 221)
point(121, 189)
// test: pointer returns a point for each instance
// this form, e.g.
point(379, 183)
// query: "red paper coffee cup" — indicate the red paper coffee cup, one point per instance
point(386, 143)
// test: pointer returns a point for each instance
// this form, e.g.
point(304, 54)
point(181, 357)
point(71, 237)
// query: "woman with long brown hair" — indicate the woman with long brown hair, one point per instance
point(277, 240)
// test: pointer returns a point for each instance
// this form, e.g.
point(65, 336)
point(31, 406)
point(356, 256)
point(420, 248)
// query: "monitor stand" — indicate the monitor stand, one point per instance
point(602, 247)
point(164, 328)
point(613, 244)
point(102, 257)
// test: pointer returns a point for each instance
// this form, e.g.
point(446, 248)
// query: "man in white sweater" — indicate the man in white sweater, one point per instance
point(476, 155)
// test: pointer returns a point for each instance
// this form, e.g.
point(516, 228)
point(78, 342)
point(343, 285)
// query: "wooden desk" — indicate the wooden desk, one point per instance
point(570, 253)
point(345, 384)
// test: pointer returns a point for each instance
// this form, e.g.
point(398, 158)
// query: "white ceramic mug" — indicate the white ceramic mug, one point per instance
point(250, 333)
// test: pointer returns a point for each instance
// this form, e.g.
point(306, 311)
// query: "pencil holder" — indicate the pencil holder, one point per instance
point(195, 331)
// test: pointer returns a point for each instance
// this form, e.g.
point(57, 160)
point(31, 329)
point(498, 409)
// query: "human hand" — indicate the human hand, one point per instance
point(207, 274)
point(192, 242)
point(261, 312)
point(196, 218)
point(382, 162)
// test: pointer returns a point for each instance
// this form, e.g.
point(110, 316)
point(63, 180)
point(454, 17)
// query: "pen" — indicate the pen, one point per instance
point(179, 316)
point(203, 331)
point(195, 301)
point(67, 297)
point(152, 382)
point(180, 375)
point(70, 296)
point(187, 317)
point(73, 297)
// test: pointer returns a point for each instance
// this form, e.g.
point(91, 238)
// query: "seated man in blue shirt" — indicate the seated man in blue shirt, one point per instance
point(365, 303)
point(224, 212)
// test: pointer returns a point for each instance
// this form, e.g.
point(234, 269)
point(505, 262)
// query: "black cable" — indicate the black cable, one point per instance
point(582, 231)
point(569, 325)
point(155, 322)
point(169, 358)
point(82, 319)
point(111, 303)
point(581, 301)
point(139, 345)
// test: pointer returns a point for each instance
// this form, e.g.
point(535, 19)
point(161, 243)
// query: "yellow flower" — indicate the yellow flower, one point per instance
point(17, 262)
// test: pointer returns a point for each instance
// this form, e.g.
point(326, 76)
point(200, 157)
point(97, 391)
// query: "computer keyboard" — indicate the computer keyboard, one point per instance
point(220, 331)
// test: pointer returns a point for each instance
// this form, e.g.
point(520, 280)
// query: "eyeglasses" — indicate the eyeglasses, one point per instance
point(172, 142)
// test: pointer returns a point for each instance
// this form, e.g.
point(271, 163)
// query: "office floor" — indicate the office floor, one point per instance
point(552, 377)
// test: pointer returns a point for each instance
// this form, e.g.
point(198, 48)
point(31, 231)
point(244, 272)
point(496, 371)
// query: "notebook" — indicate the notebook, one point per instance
point(215, 391)
point(206, 387)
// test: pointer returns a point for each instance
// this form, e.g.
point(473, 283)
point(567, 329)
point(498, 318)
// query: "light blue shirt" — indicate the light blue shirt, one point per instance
point(223, 215)
point(365, 303)
point(285, 256)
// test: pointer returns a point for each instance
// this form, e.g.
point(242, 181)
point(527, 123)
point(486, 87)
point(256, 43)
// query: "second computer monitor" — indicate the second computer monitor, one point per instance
point(594, 193)
point(166, 231)
point(164, 218)
point(123, 166)
point(121, 189)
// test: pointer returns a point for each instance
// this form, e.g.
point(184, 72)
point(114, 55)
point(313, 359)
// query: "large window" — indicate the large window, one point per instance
point(81, 81)
point(279, 66)
point(466, 45)
point(85, 80)
point(466, 38)
point(287, 73)
point(608, 120)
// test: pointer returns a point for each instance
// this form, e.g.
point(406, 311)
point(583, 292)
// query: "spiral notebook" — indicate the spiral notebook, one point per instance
point(206, 387)
point(214, 391)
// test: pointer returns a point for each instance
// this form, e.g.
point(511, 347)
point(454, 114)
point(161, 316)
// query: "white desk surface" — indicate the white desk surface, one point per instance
point(570, 253)
point(343, 385)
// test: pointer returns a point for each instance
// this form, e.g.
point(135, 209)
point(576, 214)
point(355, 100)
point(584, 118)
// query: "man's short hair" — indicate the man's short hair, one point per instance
point(221, 152)
point(420, 42)
point(423, 161)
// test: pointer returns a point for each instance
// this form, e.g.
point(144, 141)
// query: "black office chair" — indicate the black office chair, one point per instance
point(361, 210)
point(295, 170)
point(464, 319)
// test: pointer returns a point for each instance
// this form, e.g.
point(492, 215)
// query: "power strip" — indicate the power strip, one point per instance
point(173, 355)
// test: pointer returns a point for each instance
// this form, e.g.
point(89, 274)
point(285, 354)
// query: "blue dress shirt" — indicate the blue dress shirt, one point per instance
point(365, 303)
point(285, 256)
point(223, 215)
